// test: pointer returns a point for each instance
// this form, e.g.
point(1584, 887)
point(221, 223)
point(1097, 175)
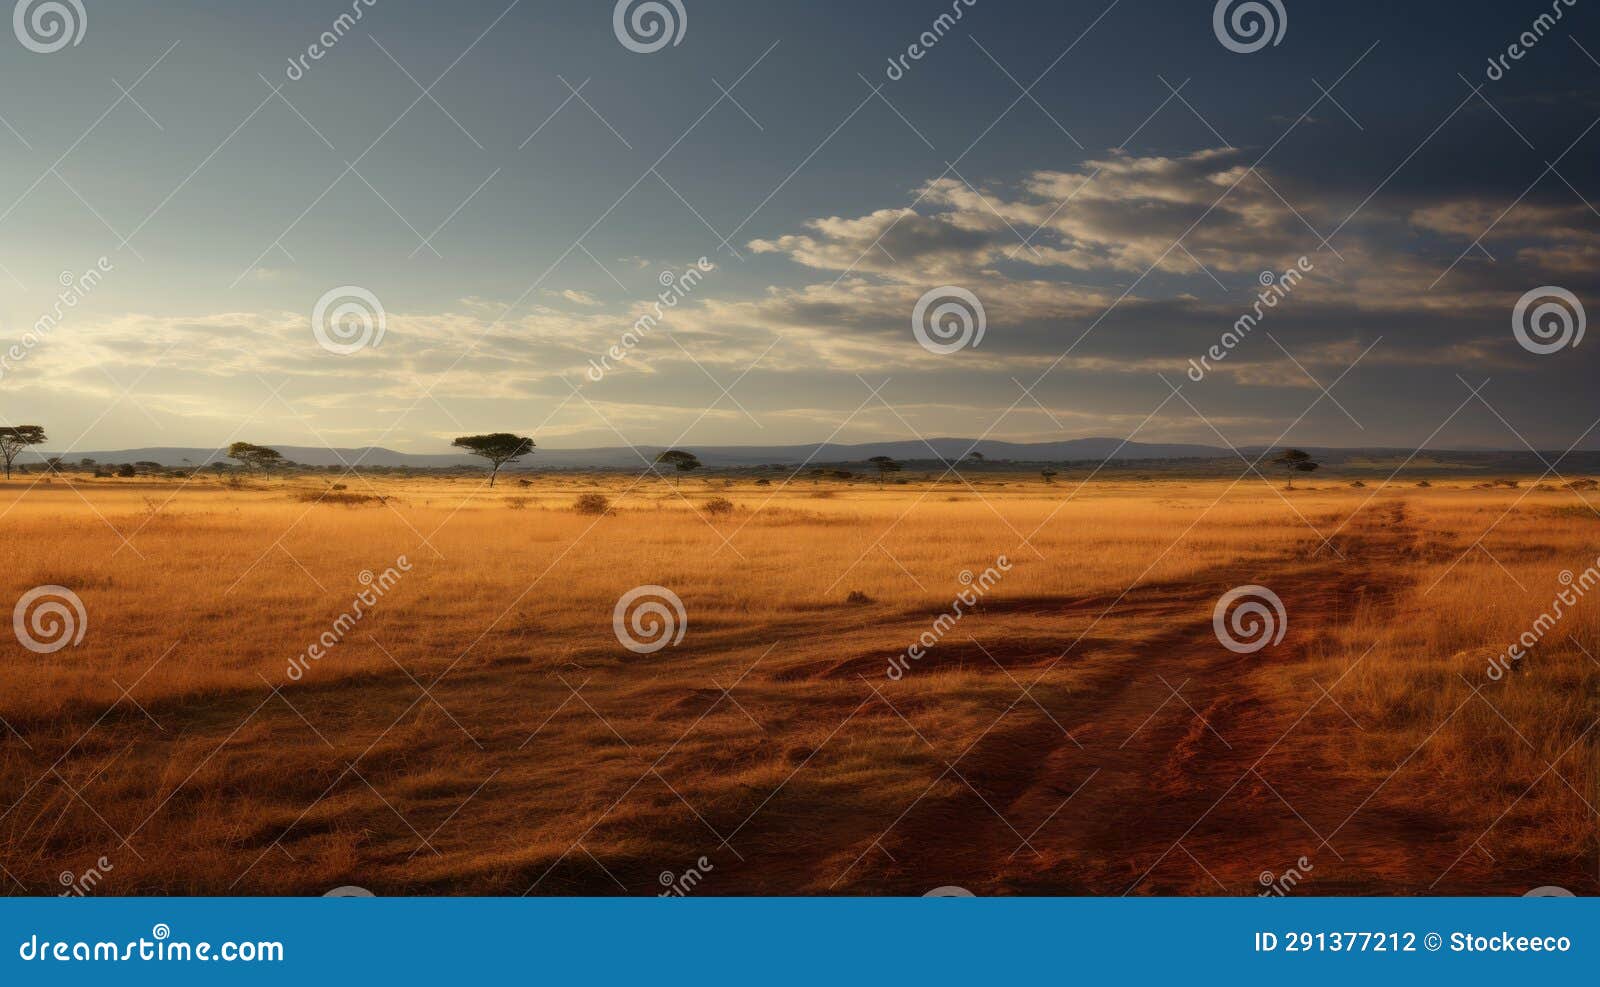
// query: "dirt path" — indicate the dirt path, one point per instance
point(1164, 775)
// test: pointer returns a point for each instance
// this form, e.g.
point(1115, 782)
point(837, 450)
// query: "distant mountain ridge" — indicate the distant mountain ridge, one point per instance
point(622, 457)
point(1087, 450)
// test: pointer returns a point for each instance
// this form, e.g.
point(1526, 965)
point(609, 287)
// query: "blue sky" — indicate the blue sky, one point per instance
point(228, 211)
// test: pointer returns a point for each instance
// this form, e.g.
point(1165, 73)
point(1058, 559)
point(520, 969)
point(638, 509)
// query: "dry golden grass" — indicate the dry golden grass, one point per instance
point(542, 756)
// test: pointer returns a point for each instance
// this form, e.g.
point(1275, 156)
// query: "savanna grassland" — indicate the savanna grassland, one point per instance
point(479, 729)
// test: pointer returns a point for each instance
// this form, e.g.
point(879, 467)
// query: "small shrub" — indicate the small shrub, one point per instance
point(763, 482)
point(1357, 484)
point(858, 597)
point(718, 507)
point(517, 503)
point(1424, 484)
point(592, 503)
point(339, 486)
point(332, 497)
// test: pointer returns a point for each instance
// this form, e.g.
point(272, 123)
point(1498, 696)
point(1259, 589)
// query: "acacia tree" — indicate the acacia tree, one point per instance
point(254, 457)
point(885, 466)
point(682, 461)
point(1296, 461)
point(1049, 475)
point(499, 448)
point(15, 438)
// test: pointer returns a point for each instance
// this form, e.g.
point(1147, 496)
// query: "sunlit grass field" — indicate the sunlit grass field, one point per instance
point(479, 728)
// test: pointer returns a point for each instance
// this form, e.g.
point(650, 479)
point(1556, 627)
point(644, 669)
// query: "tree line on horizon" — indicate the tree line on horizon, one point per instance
point(500, 449)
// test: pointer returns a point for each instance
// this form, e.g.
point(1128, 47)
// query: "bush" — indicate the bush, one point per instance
point(517, 503)
point(718, 506)
point(592, 503)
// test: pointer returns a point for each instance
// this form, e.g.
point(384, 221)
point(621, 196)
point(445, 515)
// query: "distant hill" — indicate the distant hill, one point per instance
point(621, 457)
point(1144, 456)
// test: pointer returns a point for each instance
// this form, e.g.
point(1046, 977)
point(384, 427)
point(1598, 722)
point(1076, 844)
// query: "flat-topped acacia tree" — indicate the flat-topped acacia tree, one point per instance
point(499, 448)
point(15, 438)
point(254, 457)
point(683, 462)
point(885, 465)
point(1296, 461)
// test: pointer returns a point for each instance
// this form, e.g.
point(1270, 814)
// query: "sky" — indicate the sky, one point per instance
point(197, 207)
